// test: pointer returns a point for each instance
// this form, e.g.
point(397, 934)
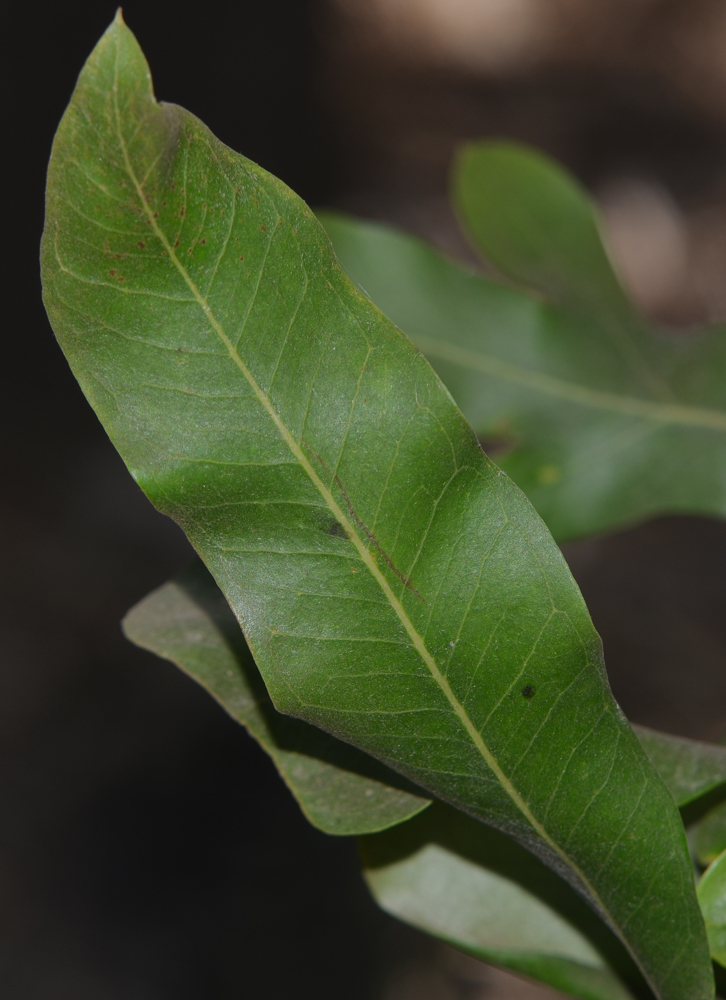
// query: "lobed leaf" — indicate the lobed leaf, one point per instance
point(340, 789)
point(395, 588)
point(605, 419)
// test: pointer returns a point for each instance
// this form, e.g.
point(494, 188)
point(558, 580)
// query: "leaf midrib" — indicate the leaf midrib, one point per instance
point(350, 531)
point(573, 392)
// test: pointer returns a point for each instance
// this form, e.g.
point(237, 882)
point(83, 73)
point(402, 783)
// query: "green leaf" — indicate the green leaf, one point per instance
point(340, 790)
point(708, 837)
point(712, 897)
point(606, 420)
point(689, 768)
point(395, 588)
point(471, 886)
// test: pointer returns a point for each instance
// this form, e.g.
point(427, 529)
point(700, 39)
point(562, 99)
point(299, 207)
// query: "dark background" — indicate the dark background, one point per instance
point(147, 848)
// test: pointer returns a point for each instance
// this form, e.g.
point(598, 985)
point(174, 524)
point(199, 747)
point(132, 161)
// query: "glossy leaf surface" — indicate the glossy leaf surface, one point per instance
point(341, 790)
point(712, 897)
point(606, 421)
point(395, 588)
point(480, 891)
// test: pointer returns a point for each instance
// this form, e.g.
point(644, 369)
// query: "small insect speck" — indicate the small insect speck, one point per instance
point(528, 691)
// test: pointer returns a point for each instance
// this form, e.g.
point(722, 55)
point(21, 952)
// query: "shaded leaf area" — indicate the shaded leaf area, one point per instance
point(340, 789)
point(708, 835)
point(396, 588)
point(691, 769)
point(712, 897)
point(477, 889)
point(450, 876)
point(604, 419)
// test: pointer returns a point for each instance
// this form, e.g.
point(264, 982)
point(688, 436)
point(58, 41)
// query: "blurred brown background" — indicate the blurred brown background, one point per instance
point(147, 849)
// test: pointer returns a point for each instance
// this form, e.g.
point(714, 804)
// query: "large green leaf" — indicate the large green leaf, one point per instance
point(395, 588)
point(480, 891)
point(607, 421)
point(340, 789)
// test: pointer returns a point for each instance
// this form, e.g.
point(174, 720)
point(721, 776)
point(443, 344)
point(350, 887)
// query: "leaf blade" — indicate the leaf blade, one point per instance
point(482, 893)
point(341, 791)
point(604, 421)
point(321, 471)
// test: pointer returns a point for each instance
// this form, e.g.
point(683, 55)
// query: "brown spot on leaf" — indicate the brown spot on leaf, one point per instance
point(263, 228)
point(141, 245)
point(202, 242)
point(112, 272)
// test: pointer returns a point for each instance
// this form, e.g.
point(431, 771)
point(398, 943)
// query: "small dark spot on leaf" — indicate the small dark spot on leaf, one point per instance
point(176, 242)
point(120, 277)
point(202, 242)
point(182, 212)
point(141, 245)
point(156, 215)
point(242, 257)
point(163, 204)
point(337, 530)
point(263, 228)
point(190, 249)
point(112, 271)
point(528, 691)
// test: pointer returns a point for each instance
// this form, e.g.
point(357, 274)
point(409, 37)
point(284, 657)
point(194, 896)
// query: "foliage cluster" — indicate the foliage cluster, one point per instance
point(414, 653)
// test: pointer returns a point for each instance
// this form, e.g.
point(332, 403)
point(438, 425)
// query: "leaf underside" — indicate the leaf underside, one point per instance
point(340, 789)
point(395, 588)
point(604, 420)
point(483, 893)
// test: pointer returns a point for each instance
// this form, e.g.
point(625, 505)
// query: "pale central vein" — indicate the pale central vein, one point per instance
point(571, 392)
point(351, 532)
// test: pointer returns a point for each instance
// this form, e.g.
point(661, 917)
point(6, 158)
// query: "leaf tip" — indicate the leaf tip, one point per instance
point(119, 18)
